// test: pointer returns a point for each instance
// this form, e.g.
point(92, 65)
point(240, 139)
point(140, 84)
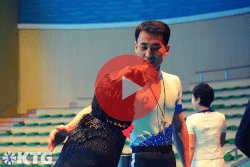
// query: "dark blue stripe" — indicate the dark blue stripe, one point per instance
point(204, 111)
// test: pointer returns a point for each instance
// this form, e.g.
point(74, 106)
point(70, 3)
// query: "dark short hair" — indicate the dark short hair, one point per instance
point(157, 28)
point(205, 93)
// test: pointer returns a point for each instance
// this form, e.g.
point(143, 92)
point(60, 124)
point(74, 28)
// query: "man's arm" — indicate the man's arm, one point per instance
point(181, 138)
point(59, 134)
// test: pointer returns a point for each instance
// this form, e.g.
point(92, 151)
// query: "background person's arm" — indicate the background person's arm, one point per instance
point(191, 147)
point(223, 132)
point(222, 139)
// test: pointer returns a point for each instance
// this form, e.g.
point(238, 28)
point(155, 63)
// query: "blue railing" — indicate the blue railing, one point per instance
point(226, 72)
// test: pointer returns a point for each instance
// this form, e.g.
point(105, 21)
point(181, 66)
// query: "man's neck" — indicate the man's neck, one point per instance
point(158, 69)
point(200, 108)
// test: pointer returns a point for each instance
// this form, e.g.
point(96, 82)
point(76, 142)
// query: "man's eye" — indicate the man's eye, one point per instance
point(144, 47)
point(155, 47)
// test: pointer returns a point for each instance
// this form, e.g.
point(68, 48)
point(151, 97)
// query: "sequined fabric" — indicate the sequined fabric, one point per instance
point(93, 143)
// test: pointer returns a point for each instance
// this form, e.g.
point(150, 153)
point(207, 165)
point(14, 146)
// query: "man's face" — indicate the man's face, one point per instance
point(151, 48)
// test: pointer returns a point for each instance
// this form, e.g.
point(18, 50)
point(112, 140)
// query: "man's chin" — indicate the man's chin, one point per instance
point(156, 66)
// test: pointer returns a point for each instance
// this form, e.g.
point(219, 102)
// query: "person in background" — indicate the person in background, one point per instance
point(206, 129)
point(242, 137)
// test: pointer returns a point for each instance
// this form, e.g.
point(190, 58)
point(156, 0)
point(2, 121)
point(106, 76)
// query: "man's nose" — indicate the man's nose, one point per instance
point(149, 52)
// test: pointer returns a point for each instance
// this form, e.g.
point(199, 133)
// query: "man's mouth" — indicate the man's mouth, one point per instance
point(153, 61)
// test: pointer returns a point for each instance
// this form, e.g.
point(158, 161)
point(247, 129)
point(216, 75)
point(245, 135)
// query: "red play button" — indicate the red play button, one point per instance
point(127, 87)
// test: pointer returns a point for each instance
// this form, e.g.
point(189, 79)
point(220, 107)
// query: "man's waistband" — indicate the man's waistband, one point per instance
point(161, 148)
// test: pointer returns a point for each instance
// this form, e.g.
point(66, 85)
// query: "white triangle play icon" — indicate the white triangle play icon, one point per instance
point(129, 87)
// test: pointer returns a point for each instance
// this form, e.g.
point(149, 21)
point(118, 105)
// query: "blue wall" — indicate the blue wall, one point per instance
point(100, 11)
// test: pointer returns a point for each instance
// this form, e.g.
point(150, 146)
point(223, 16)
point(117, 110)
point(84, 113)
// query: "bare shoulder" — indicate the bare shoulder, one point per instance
point(87, 109)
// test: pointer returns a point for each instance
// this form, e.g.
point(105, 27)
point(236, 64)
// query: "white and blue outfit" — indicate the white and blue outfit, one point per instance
point(151, 140)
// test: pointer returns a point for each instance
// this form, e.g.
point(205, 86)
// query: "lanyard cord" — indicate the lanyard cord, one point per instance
point(164, 104)
point(158, 105)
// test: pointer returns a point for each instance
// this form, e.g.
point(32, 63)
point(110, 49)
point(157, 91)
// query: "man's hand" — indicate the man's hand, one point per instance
point(57, 136)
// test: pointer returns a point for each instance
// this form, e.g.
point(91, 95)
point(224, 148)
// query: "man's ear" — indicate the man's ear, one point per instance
point(167, 50)
point(136, 47)
point(198, 100)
